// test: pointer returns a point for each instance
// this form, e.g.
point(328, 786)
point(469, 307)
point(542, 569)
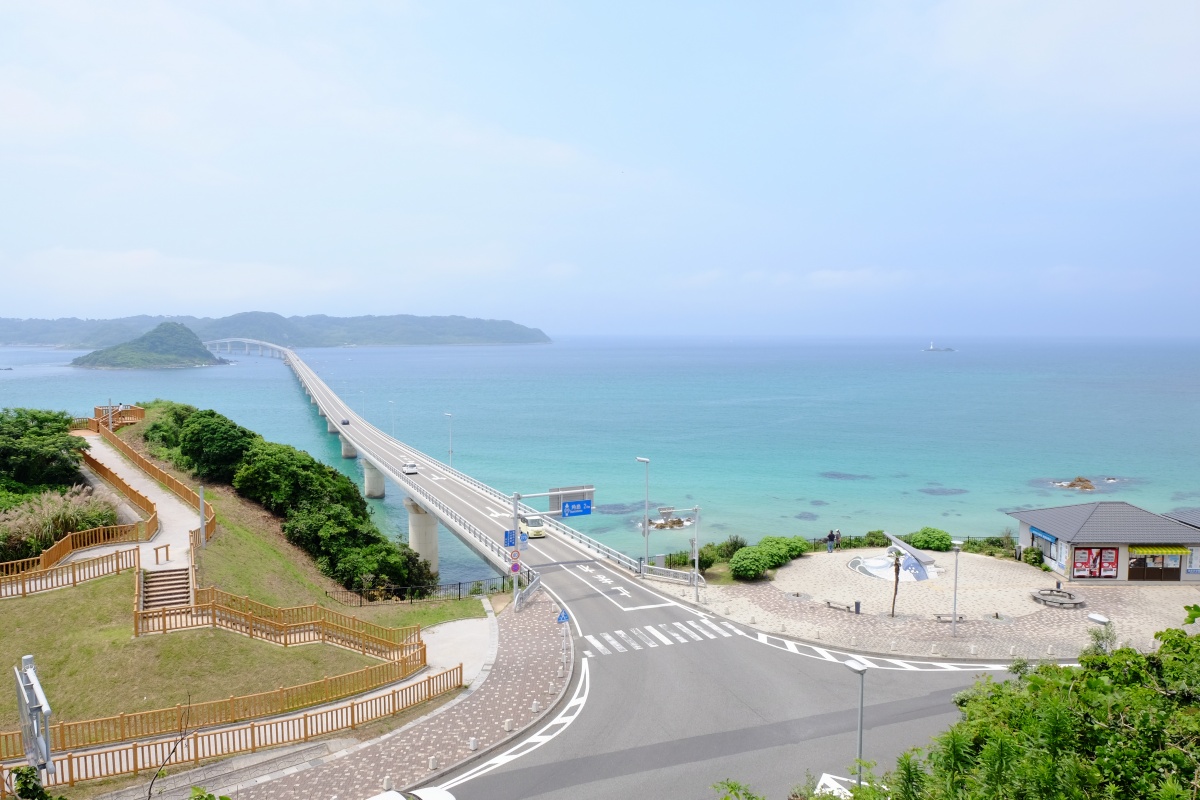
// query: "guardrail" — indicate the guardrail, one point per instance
point(392, 595)
point(148, 757)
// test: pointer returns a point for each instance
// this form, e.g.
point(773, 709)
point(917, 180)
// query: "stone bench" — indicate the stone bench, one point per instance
point(838, 604)
point(1058, 598)
point(949, 617)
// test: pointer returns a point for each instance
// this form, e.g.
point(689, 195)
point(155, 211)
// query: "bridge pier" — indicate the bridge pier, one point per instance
point(329, 426)
point(320, 411)
point(422, 532)
point(348, 450)
point(372, 480)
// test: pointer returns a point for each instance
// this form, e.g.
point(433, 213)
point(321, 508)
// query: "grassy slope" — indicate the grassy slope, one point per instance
point(81, 640)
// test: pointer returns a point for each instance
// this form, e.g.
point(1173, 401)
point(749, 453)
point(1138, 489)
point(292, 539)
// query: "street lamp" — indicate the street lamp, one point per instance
point(954, 612)
point(392, 414)
point(861, 669)
point(451, 419)
point(646, 514)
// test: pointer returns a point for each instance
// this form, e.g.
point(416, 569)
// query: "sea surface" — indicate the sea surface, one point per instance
point(768, 437)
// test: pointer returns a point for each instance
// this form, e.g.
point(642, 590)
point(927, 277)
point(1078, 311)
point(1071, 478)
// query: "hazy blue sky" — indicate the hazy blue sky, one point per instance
point(930, 169)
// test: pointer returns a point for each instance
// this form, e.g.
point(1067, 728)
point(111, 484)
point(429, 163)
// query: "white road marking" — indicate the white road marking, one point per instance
point(714, 627)
point(616, 645)
point(696, 625)
point(596, 644)
point(627, 639)
point(678, 637)
point(645, 639)
point(654, 632)
point(687, 631)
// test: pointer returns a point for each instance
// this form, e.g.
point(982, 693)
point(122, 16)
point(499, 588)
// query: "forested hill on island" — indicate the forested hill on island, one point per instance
point(311, 331)
point(168, 346)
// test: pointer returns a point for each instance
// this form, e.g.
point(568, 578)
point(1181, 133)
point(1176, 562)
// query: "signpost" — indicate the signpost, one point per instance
point(515, 555)
point(563, 616)
point(524, 541)
point(510, 538)
point(576, 508)
point(516, 567)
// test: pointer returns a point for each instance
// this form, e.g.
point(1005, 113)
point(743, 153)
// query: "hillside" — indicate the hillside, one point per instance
point(311, 331)
point(170, 345)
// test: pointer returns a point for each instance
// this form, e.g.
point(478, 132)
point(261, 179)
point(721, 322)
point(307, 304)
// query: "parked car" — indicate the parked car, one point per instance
point(408, 468)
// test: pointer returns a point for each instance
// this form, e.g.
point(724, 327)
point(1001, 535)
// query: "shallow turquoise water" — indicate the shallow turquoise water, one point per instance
point(768, 437)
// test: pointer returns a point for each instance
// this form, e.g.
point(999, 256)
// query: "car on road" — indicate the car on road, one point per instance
point(345, 422)
point(533, 526)
point(408, 468)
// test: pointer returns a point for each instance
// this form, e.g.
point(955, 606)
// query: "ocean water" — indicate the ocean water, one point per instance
point(768, 437)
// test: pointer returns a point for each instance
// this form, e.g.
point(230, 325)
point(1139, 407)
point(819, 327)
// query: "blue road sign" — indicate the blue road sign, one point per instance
point(510, 538)
point(563, 616)
point(576, 508)
point(524, 541)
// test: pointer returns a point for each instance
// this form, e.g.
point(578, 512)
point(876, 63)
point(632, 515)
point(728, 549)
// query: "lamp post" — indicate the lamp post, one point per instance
point(861, 669)
point(451, 419)
point(646, 514)
point(392, 414)
point(954, 612)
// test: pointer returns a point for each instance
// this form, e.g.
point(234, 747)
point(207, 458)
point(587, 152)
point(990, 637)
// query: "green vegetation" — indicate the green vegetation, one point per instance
point(312, 331)
point(92, 667)
point(169, 345)
point(1032, 556)
point(29, 786)
point(324, 513)
point(748, 564)
point(39, 465)
point(1002, 546)
point(929, 539)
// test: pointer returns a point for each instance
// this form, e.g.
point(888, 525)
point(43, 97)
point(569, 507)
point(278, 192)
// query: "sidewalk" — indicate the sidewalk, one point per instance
point(1001, 620)
point(175, 518)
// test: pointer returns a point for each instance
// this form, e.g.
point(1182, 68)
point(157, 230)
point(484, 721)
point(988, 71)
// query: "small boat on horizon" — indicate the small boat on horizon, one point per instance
point(932, 349)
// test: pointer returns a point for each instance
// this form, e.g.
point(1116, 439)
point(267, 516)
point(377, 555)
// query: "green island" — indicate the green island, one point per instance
point(316, 330)
point(169, 346)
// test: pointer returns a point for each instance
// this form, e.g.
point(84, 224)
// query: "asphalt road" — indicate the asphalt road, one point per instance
point(673, 699)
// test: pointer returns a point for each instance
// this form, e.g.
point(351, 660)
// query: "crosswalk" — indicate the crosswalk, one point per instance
point(648, 637)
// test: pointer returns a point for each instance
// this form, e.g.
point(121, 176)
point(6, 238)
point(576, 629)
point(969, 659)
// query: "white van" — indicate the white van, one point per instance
point(408, 468)
point(533, 526)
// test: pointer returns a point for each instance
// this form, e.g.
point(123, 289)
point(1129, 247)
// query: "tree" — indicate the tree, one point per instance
point(214, 445)
point(37, 448)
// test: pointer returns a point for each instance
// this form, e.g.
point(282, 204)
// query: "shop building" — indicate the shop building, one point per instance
point(1112, 541)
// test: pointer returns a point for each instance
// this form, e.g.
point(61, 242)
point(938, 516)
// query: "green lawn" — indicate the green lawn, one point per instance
point(91, 666)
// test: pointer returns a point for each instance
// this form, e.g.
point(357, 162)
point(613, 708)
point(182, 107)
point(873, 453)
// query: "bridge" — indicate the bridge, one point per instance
point(666, 698)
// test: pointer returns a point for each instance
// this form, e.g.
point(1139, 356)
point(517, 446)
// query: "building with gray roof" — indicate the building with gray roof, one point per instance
point(1109, 540)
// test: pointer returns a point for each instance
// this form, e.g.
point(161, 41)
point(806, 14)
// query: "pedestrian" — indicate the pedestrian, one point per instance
point(829, 542)
point(837, 539)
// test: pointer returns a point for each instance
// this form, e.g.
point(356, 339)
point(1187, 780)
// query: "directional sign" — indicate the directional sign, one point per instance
point(563, 616)
point(515, 555)
point(524, 541)
point(516, 567)
point(510, 538)
point(576, 508)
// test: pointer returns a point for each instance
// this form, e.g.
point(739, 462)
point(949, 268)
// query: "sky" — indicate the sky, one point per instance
point(1026, 167)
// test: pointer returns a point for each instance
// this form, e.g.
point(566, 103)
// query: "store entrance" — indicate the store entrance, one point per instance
point(1154, 567)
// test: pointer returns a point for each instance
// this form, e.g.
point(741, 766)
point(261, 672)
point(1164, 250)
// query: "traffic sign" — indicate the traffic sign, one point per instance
point(563, 616)
point(524, 541)
point(576, 508)
point(515, 555)
point(510, 538)
point(516, 568)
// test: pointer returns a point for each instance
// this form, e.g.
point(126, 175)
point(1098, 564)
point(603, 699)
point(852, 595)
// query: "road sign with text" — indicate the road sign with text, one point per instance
point(576, 508)
point(515, 555)
point(510, 538)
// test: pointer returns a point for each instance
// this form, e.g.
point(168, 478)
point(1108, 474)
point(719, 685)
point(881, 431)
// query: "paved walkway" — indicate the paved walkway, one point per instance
point(175, 518)
point(1002, 621)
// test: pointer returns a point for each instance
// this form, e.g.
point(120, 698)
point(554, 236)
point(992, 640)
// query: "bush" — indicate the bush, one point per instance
point(876, 539)
point(214, 445)
point(709, 555)
point(775, 549)
point(683, 559)
point(41, 520)
point(798, 546)
point(1032, 556)
point(37, 448)
point(929, 539)
point(727, 548)
point(748, 563)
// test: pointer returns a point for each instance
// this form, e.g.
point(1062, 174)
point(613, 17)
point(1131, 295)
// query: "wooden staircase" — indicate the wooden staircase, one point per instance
point(166, 588)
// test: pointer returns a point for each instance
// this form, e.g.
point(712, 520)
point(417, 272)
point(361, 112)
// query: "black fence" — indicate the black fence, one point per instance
point(388, 594)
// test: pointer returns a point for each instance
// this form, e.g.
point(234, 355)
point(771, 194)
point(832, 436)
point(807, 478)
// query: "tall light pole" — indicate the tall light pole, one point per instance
point(392, 414)
point(646, 514)
point(861, 669)
point(451, 418)
point(363, 392)
point(954, 612)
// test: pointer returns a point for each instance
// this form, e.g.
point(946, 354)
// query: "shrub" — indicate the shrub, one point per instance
point(798, 546)
point(41, 520)
point(1032, 556)
point(876, 539)
point(727, 548)
point(37, 448)
point(929, 539)
point(775, 549)
point(214, 445)
point(683, 559)
point(709, 555)
point(748, 563)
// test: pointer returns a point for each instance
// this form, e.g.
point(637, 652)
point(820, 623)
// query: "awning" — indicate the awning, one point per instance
point(1158, 550)
point(1041, 534)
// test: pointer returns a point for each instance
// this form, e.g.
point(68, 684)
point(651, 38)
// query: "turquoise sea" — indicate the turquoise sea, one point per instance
point(767, 436)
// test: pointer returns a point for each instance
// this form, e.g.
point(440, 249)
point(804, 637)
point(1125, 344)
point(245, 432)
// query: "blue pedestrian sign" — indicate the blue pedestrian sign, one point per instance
point(510, 538)
point(524, 541)
point(563, 616)
point(576, 508)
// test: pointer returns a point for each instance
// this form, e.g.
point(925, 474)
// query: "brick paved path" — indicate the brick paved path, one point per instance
point(526, 669)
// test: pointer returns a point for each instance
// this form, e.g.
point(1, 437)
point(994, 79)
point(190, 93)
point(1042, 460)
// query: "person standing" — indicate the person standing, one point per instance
point(837, 539)
point(829, 542)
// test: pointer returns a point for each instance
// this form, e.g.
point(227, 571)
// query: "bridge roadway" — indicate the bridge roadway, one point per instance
point(667, 699)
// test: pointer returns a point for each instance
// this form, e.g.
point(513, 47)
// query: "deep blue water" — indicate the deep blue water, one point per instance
point(768, 437)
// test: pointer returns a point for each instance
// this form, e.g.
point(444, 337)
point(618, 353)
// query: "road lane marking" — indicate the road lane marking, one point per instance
point(678, 637)
point(646, 639)
point(696, 625)
point(627, 639)
point(654, 632)
point(709, 624)
point(596, 644)
point(687, 631)
point(615, 644)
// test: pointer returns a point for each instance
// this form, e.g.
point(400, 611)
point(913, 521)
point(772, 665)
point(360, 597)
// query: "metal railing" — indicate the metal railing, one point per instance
point(388, 594)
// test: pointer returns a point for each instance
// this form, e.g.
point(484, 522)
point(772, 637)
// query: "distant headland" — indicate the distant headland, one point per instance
point(169, 346)
point(311, 331)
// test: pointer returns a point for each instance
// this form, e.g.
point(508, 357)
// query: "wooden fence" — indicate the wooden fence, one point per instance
point(43, 580)
point(307, 614)
point(148, 757)
point(66, 736)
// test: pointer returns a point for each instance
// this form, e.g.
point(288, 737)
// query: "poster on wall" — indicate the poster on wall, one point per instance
point(1095, 562)
point(1193, 565)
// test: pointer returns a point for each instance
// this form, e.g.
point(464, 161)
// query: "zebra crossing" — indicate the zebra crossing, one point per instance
point(648, 637)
